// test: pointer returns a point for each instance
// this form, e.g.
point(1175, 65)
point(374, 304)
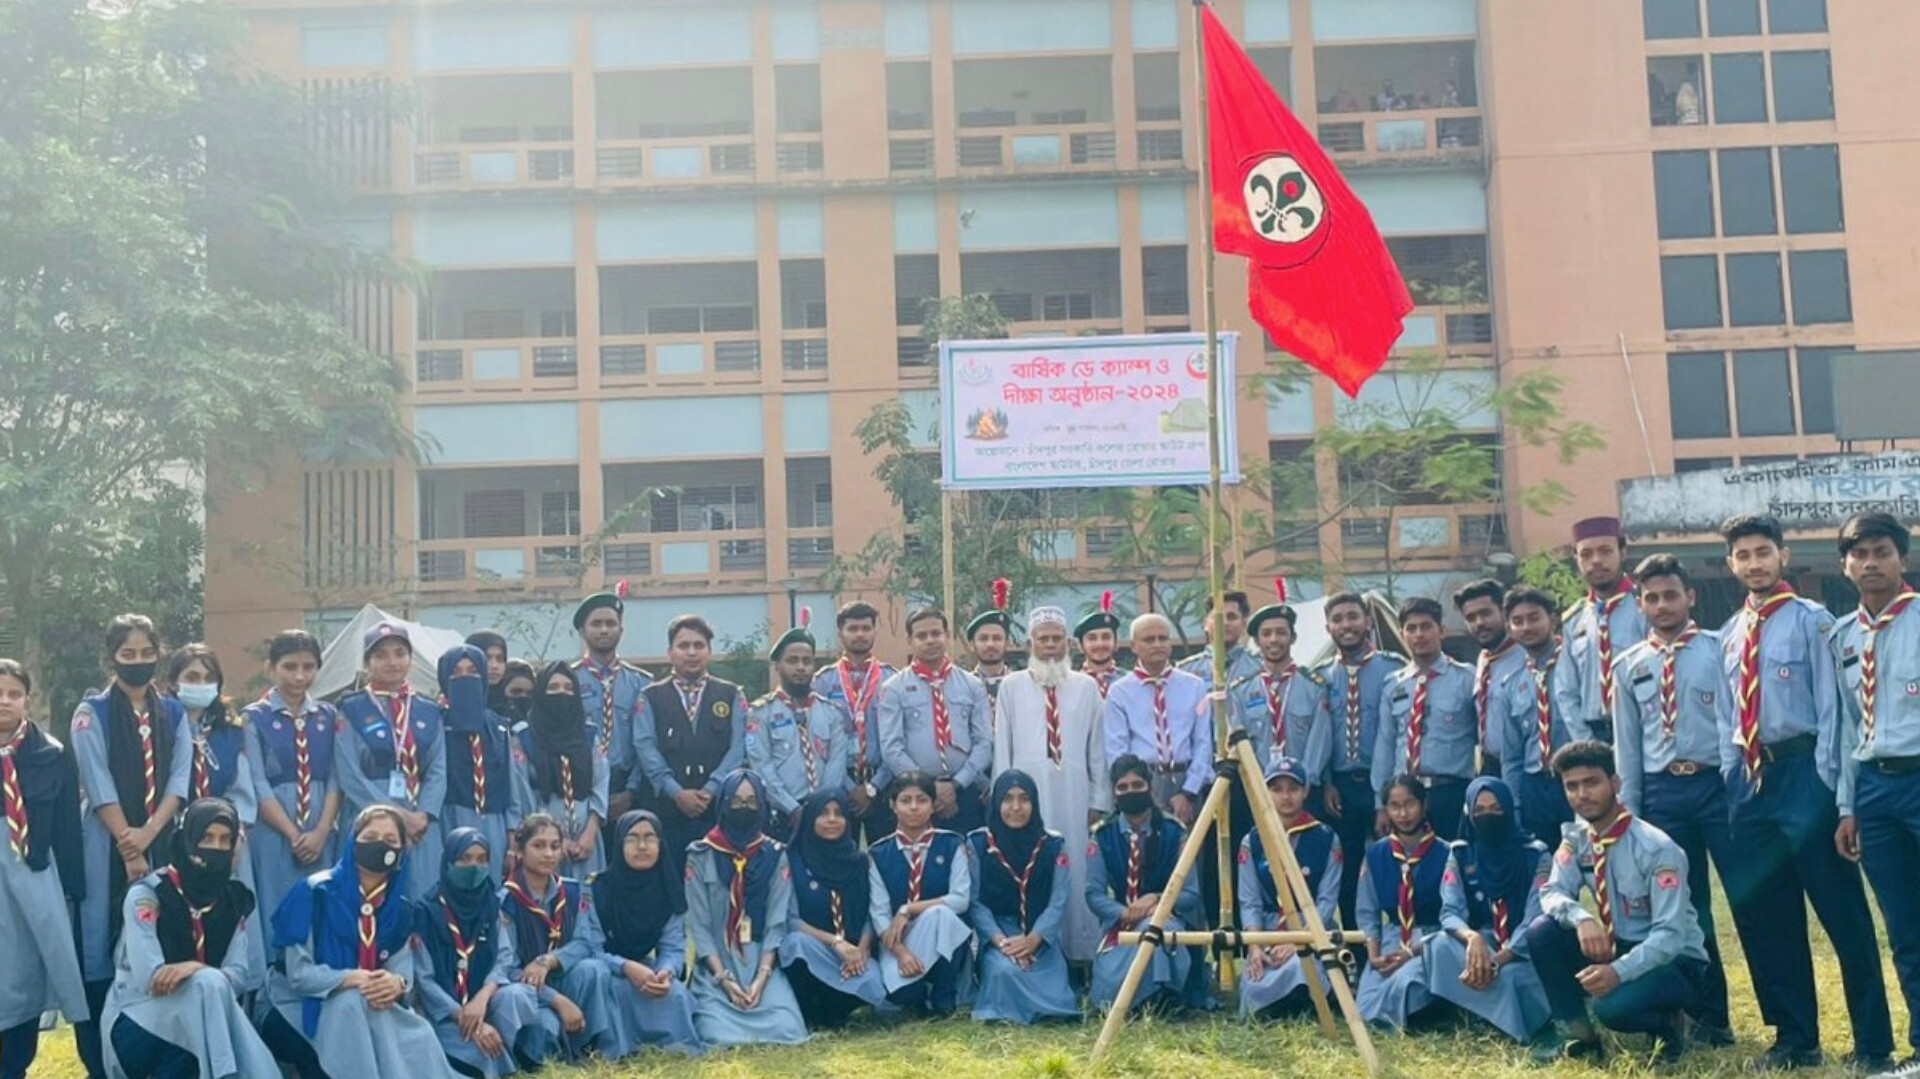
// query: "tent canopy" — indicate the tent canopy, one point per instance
point(340, 663)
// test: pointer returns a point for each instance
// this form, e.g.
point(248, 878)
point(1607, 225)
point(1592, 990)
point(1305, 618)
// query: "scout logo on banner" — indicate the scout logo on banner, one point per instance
point(1082, 412)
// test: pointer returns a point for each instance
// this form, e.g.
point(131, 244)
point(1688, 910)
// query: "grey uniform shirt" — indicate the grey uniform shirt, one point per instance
point(1448, 736)
point(906, 727)
point(1577, 687)
point(1896, 697)
point(1796, 683)
point(1242, 663)
point(1302, 695)
point(1703, 702)
point(1647, 883)
point(781, 740)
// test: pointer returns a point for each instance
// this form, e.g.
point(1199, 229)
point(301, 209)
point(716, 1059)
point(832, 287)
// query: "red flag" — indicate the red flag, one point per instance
point(1321, 280)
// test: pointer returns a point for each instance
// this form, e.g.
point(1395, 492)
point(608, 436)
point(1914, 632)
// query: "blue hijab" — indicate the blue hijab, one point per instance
point(1507, 869)
point(467, 719)
point(324, 909)
point(762, 852)
point(475, 912)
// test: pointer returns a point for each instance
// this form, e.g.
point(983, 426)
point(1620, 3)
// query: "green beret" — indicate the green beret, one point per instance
point(595, 602)
point(796, 635)
point(991, 617)
point(1271, 610)
point(1096, 620)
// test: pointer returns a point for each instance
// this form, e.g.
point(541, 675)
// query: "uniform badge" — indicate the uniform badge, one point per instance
point(939, 859)
point(1093, 850)
point(1245, 856)
point(1061, 862)
point(279, 726)
point(1706, 697)
point(83, 720)
point(1667, 879)
point(813, 885)
point(1450, 877)
point(1913, 689)
point(146, 911)
point(722, 709)
point(1564, 855)
point(1785, 673)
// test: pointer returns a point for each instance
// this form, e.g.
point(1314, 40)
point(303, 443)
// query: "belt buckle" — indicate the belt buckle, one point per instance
point(1683, 768)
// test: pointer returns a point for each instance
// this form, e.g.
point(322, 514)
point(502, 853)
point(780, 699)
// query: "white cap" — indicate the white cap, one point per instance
point(1046, 616)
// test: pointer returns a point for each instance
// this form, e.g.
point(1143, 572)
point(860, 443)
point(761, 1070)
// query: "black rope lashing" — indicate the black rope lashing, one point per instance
point(1154, 936)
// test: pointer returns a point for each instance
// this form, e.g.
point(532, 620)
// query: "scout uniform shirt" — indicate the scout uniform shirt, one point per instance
point(1674, 729)
point(1646, 895)
point(689, 736)
point(909, 740)
point(1354, 698)
point(1299, 696)
point(1242, 663)
point(1893, 638)
point(798, 747)
point(610, 696)
point(1793, 676)
point(1581, 691)
point(1445, 737)
point(856, 689)
point(1490, 672)
point(1171, 730)
point(1518, 704)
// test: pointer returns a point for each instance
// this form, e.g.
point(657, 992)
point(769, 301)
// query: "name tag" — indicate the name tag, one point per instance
point(1852, 660)
point(1643, 677)
point(397, 786)
point(1400, 695)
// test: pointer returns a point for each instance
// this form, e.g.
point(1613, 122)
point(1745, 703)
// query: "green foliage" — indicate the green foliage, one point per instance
point(961, 318)
point(1552, 573)
point(744, 663)
point(165, 285)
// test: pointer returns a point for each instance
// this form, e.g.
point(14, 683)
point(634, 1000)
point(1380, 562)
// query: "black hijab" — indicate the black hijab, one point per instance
point(188, 886)
point(840, 866)
point(635, 905)
point(475, 911)
point(1022, 855)
point(559, 725)
point(514, 709)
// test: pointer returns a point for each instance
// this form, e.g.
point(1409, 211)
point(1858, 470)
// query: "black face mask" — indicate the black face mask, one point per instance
point(741, 819)
point(1492, 828)
point(1133, 803)
point(516, 708)
point(215, 865)
point(134, 675)
point(374, 856)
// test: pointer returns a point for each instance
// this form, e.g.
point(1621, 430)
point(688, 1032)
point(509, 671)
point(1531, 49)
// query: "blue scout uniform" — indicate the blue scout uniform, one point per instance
point(689, 737)
point(1525, 764)
point(1317, 849)
point(1783, 832)
point(613, 693)
point(1123, 864)
point(1011, 898)
point(1177, 742)
point(1661, 956)
point(37, 884)
point(856, 689)
point(1448, 736)
point(1242, 663)
point(1669, 768)
point(1298, 695)
point(907, 737)
point(1340, 754)
point(798, 747)
point(1490, 672)
point(373, 772)
point(1880, 773)
point(1515, 1004)
point(1386, 876)
point(564, 923)
point(1581, 690)
point(901, 871)
point(300, 781)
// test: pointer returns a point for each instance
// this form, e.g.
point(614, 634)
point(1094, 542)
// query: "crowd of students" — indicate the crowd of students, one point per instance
point(525, 867)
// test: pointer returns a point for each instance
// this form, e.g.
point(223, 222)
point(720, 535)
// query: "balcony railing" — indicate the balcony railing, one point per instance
point(1024, 149)
point(492, 164)
point(910, 154)
point(1161, 143)
point(809, 548)
point(725, 357)
point(1443, 134)
point(452, 564)
point(1444, 532)
point(799, 154)
point(545, 363)
point(1453, 330)
point(738, 555)
point(803, 356)
point(666, 161)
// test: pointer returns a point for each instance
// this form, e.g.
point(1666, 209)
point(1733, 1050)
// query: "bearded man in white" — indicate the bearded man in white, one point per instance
point(1049, 717)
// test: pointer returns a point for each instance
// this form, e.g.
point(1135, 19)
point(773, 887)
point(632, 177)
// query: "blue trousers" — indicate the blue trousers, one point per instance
point(1786, 858)
point(1543, 807)
point(1354, 826)
point(1888, 811)
point(1693, 810)
point(1644, 1005)
point(18, 1046)
point(143, 1056)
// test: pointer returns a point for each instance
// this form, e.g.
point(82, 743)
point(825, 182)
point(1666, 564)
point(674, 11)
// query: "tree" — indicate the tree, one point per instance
point(167, 290)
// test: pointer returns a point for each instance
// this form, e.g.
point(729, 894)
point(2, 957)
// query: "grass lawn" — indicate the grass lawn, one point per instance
point(1217, 1049)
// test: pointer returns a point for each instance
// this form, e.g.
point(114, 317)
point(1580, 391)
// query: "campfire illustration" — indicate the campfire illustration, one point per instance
point(987, 425)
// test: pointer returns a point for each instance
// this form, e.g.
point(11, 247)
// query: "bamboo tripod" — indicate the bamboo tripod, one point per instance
point(1318, 944)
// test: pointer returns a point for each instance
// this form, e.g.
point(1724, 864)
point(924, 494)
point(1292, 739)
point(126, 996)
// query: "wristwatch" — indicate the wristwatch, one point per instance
point(871, 792)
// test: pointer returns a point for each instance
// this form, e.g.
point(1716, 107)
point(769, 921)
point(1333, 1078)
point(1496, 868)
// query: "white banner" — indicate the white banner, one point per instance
point(1082, 412)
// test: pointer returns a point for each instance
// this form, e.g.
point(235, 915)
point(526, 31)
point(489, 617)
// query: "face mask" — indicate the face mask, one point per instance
point(517, 708)
point(1133, 803)
point(374, 856)
point(468, 878)
point(467, 695)
point(213, 863)
point(741, 819)
point(134, 675)
point(198, 697)
point(1494, 828)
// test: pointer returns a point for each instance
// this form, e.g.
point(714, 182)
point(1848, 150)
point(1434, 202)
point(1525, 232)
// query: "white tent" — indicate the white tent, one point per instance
point(1313, 644)
point(341, 661)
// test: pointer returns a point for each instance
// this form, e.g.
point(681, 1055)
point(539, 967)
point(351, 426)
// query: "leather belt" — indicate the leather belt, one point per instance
point(1894, 766)
point(1786, 749)
point(1690, 768)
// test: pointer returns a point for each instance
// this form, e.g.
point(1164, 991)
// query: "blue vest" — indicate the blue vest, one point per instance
point(1385, 870)
point(1481, 893)
point(936, 871)
point(368, 718)
point(1311, 850)
point(1163, 849)
point(276, 743)
point(815, 900)
point(224, 742)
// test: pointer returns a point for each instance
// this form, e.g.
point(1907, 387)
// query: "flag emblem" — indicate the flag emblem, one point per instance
point(1285, 206)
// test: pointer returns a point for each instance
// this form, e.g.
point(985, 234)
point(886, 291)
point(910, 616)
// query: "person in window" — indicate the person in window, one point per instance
point(391, 746)
point(1686, 99)
point(290, 737)
point(828, 950)
point(1018, 904)
point(1274, 980)
point(737, 901)
point(551, 942)
point(1479, 963)
point(919, 889)
point(1129, 864)
point(134, 749)
point(40, 875)
point(478, 1014)
point(186, 958)
point(480, 782)
point(643, 903)
point(564, 777)
point(1399, 907)
point(339, 993)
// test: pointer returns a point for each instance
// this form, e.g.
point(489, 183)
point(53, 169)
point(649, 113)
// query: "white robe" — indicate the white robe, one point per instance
point(1067, 792)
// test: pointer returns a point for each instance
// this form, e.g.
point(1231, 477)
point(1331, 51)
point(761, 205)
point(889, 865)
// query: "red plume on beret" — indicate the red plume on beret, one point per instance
point(806, 617)
point(620, 588)
point(1106, 601)
point(1002, 593)
point(1280, 589)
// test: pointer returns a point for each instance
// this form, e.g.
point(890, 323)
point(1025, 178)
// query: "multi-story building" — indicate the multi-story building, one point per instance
point(678, 251)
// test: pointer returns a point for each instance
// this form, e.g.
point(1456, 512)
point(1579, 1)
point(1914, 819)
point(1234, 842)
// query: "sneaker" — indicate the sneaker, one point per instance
point(1712, 1035)
point(1907, 1069)
point(1870, 1064)
point(1559, 1041)
point(1673, 1043)
point(1783, 1057)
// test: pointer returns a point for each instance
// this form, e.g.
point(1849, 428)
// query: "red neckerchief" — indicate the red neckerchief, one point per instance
point(805, 731)
point(1603, 635)
point(1021, 879)
point(1353, 703)
point(605, 681)
point(1408, 860)
point(937, 686)
point(554, 919)
point(737, 895)
point(16, 805)
point(1054, 747)
point(370, 904)
point(1602, 843)
point(1746, 697)
point(143, 722)
point(1417, 722)
point(915, 851)
point(1483, 682)
point(1870, 628)
point(302, 770)
point(463, 948)
point(1278, 689)
point(859, 700)
point(1669, 681)
point(1162, 727)
point(406, 755)
point(194, 914)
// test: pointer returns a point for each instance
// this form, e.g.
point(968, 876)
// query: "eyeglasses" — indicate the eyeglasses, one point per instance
point(648, 840)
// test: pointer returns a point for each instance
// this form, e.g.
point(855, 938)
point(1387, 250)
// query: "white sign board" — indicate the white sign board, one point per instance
point(1819, 493)
point(1082, 412)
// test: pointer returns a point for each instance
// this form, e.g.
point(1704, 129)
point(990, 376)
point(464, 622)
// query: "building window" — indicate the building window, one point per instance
point(1810, 186)
point(1700, 464)
point(1675, 93)
point(1820, 290)
point(1697, 395)
point(1670, 18)
point(1683, 194)
point(1754, 296)
point(1763, 392)
point(1690, 291)
point(1816, 389)
point(1739, 89)
point(1796, 16)
point(1733, 18)
point(1746, 193)
point(560, 513)
point(1802, 86)
point(916, 279)
point(491, 514)
point(708, 509)
point(1165, 272)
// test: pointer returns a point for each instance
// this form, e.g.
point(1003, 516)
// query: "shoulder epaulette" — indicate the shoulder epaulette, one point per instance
point(1100, 824)
point(636, 668)
point(1232, 686)
point(1313, 675)
point(1572, 611)
point(1391, 656)
point(759, 701)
